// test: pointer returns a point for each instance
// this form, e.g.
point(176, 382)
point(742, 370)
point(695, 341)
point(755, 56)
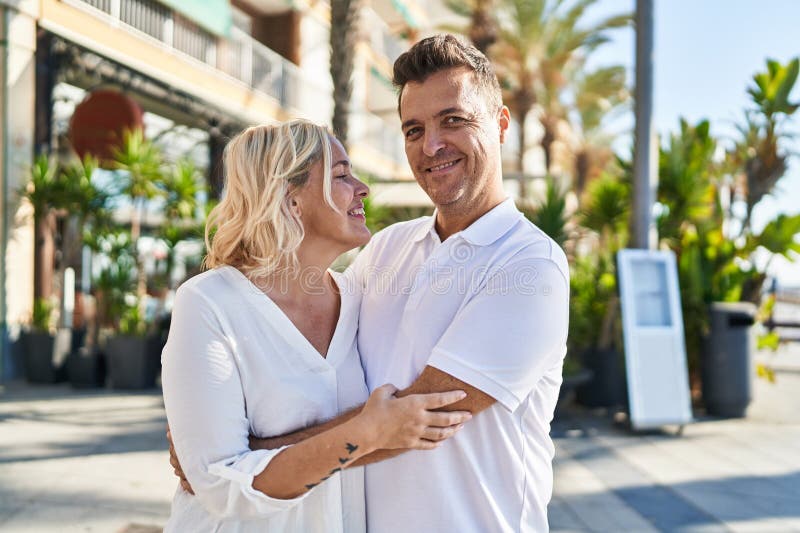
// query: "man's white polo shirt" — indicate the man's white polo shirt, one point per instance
point(490, 307)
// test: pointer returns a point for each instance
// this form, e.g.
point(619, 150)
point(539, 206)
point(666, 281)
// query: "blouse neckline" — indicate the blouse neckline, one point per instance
point(338, 347)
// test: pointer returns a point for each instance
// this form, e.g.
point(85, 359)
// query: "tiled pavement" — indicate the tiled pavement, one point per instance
point(76, 461)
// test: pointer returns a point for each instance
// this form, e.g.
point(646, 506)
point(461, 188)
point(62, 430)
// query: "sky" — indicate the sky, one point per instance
point(706, 52)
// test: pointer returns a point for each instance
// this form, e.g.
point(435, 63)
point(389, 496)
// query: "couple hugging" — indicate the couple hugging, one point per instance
point(413, 392)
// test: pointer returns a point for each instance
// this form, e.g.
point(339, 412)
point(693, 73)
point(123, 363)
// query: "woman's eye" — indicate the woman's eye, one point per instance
point(343, 177)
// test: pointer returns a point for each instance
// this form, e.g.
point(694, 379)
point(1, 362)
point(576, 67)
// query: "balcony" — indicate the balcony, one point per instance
point(240, 56)
point(380, 37)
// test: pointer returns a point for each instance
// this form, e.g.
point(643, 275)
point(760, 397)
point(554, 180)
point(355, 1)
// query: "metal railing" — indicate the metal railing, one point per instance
point(380, 37)
point(241, 57)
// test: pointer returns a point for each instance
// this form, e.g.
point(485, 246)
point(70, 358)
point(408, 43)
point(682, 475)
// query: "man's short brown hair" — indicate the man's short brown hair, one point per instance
point(443, 52)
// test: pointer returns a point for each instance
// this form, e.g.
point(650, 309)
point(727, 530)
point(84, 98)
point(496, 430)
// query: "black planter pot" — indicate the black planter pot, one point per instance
point(45, 354)
point(607, 388)
point(86, 368)
point(133, 362)
point(727, 367)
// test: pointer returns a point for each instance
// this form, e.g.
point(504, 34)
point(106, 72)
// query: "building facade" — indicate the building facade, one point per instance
point(216, 66)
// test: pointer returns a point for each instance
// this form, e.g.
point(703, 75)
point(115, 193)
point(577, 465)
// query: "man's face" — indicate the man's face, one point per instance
point(452, 139)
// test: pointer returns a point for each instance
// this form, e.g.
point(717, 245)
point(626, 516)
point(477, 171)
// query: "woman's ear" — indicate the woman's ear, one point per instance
point(294, 206)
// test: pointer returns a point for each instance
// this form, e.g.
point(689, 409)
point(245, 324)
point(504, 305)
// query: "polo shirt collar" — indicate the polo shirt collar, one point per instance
point(428, 227)
point(484, 231)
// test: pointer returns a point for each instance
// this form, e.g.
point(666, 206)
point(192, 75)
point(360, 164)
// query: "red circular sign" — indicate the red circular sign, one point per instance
point(99, 122)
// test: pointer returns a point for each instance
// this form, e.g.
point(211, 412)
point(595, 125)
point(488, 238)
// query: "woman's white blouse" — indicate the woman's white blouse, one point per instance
point(235, 365)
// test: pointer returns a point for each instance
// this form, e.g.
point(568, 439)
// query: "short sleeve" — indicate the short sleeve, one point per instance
point(205, 405)
point(510, 333)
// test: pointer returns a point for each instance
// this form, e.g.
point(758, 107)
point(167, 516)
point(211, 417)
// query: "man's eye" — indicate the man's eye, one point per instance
point(454, 120)
point(411, 132)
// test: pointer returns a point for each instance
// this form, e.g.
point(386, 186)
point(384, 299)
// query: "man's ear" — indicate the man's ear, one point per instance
point(503, 120)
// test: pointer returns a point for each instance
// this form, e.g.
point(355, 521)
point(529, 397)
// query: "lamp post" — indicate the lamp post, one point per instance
point(645, 156)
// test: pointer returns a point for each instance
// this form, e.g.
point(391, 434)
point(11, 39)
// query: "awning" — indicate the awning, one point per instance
point(213, 15)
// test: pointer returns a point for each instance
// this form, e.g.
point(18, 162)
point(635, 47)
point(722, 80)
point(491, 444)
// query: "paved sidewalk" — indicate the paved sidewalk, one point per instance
point(720, 475)
point(77, 461)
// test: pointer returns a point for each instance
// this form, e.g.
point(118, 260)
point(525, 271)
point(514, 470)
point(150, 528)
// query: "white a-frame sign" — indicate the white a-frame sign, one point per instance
point(655, 351)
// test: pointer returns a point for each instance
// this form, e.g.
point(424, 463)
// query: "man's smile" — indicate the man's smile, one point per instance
point(443, 166)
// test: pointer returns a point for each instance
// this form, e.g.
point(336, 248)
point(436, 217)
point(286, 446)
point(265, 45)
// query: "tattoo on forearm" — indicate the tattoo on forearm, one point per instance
point(342, 460)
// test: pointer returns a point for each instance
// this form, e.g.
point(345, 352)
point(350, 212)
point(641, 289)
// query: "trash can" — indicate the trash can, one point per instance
point(727, 364)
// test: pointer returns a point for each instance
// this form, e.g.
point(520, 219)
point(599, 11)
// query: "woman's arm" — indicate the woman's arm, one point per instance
point(385, 422)
point(323, 440)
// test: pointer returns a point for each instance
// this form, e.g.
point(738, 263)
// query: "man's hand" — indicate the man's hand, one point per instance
point(173, 460)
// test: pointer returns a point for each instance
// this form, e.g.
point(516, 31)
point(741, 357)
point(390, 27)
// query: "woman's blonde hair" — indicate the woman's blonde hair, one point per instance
point(253, 227)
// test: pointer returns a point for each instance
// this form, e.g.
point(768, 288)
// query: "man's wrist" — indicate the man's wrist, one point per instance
point(258, 443)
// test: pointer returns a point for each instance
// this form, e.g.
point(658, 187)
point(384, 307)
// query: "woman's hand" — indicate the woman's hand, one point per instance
point(411, 422)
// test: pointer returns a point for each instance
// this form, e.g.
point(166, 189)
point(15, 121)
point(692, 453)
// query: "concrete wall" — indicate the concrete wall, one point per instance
point(17, 83)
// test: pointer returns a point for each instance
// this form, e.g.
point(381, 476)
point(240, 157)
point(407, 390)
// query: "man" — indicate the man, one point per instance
point(482, 306)
point(474, 298)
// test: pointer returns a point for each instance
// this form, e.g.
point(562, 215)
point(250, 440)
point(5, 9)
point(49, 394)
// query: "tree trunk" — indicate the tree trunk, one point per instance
point(44, 256)
point(523, 140)
point(583, 162)
point(548, 138)
point(482, 28)
point(136, 230)
point(343, 39)
point(216, 147)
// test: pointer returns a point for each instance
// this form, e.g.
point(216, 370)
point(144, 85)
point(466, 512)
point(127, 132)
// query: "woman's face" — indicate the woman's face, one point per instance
point(343, 228)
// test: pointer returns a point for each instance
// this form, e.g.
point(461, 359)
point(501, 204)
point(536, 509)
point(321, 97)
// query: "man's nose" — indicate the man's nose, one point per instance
point(433, 142)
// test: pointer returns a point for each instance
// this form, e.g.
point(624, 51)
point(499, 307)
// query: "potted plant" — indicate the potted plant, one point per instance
point(88, 206)
point(121, 286)
point(706, 220)
point(595, 327)
point(45, 347)
point(133, 353)
point(123, 335)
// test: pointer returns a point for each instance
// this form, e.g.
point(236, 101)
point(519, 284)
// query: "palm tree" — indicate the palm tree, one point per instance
point(45, 192)
point(542, 41)
point(758, 154)
point(343, 39)
point(142, 162)
point(182, 188)
point(87, 206)
point(597, 94)
point(482, 28)
point(550, 213)
point(687, 181)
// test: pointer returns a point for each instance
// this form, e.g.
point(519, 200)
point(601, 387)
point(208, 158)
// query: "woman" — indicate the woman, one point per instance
point(264, 343)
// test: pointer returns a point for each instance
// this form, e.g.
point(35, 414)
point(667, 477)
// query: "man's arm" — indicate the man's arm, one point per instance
point(503, 340)
point(433, 380)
